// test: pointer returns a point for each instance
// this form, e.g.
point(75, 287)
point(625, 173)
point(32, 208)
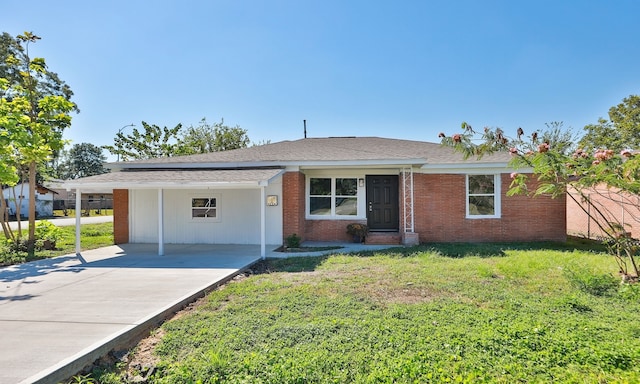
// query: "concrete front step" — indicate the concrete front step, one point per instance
point(386, 238)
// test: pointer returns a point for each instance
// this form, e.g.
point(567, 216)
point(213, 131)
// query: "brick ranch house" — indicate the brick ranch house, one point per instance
point(405, 191)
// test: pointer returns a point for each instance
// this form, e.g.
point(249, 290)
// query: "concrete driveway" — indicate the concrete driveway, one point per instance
point(59, 314)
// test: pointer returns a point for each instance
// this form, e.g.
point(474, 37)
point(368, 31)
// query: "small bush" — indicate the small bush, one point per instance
point(293, 241)
point(589, 281)
point(46, 231)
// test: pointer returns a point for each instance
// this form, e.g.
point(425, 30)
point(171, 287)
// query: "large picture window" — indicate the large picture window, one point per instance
point(204, 207)
point(483, 192)
point(333, 196)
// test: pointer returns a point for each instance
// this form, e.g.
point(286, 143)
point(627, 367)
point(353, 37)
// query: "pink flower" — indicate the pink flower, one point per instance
point(544, 147)
point(514, 175)
point(625, 153)
point(441, 135)
point(513, 151)
point(457, 138)
point(595, 162)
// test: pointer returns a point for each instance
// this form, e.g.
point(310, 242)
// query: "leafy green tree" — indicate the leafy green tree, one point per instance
point(153, 142)
point(554, 168)
point(33, 116)
point(82, 160)
point(211, 138)
point(621, 131)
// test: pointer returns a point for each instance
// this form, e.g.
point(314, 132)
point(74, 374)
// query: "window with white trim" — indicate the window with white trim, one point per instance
point(204, 207)
point(483, 196)
point(333, 196)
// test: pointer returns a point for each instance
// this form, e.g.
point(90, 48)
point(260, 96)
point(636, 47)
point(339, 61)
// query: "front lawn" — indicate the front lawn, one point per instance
point(92, 235)
point(450, 313)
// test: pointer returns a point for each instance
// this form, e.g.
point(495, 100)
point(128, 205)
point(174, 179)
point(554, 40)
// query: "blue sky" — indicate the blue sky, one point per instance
point(404, 69)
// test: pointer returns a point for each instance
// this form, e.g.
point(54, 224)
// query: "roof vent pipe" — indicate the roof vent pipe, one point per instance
point(305, 128)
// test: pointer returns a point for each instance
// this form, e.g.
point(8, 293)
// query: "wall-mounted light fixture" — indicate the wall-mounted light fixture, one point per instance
point(272, 200)
point(361, 182)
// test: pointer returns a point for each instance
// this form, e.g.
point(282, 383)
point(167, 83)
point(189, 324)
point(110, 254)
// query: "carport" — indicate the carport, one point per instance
point(179, 182)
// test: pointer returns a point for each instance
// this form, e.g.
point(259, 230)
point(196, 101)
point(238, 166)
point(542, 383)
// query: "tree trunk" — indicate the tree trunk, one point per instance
point(4, 211)
point(31, 243)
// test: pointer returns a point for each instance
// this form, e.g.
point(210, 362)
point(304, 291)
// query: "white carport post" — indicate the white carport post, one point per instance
point(78, 214)
point(160, 222)
point(263, 221)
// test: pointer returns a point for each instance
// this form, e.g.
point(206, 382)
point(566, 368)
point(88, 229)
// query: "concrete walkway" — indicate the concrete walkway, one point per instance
point(58, 315)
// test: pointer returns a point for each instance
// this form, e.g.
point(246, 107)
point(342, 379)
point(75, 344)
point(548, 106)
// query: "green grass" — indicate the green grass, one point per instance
point(450, 313)
point(92, 212)
point(92, 235)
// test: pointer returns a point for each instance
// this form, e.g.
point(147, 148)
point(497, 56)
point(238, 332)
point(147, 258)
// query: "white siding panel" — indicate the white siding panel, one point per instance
point(143, 215)
point(238, 220)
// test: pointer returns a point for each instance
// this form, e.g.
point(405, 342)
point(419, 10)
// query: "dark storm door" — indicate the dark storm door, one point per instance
point(382, 202)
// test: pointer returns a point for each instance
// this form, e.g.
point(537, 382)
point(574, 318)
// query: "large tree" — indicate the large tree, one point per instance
point(82, 160)
point(621, 131)
point(164, 142)
point(153, 142)
point(34, 110)
point(212, 138)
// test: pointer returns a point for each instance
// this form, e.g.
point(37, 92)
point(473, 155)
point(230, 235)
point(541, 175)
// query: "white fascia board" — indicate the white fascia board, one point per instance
point(156, 185)
point(173, 185)
point(466, 168)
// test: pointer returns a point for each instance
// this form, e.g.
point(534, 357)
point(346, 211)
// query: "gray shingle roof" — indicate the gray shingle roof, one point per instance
point(331, 149)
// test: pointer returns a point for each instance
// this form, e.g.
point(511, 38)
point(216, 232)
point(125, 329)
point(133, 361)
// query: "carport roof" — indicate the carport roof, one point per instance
point(178, 178)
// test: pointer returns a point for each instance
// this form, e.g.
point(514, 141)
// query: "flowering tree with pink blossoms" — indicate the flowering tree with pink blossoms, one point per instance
point(551, 158)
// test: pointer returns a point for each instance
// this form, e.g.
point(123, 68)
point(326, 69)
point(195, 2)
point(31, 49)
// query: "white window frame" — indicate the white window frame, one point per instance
point(204, 219)
point(496, 196)
point(333, 197)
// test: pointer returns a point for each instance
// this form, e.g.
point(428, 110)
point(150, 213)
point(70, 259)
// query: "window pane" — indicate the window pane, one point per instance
point(203, 212)
point(346, 187)
point(481, 205)
point(346, 206)
point(320, 186)
point(199, 202)
point(480, 184)
point(320, 205)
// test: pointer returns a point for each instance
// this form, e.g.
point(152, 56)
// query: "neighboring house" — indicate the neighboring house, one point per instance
point(19, 194)
point(609, 205)
point(91, 199)
point(405, 191)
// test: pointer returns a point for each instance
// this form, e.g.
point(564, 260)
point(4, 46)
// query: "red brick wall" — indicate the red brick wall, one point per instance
point(120, 216)
point(329, 230)
point(439, 209)
point(293, 204)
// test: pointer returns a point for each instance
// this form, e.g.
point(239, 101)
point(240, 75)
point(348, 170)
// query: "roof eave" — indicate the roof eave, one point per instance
point(265, 164)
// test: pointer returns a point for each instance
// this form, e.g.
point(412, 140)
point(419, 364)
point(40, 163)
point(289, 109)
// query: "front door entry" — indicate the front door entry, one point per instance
point(382, 202)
